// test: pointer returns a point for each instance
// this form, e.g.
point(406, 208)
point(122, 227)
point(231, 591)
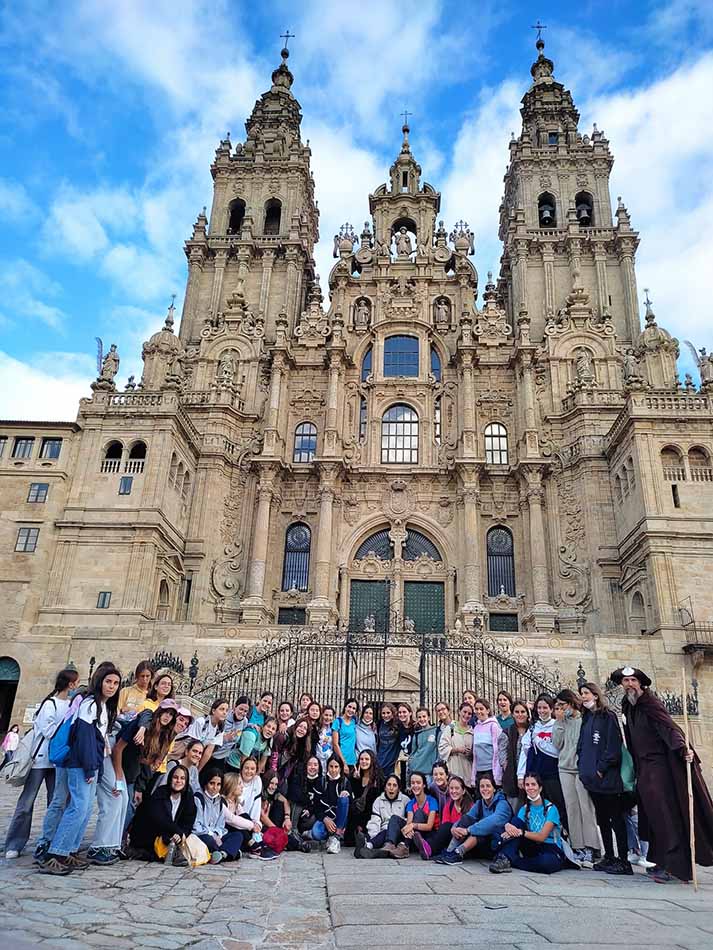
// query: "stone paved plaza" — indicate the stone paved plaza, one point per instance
point(320, 902)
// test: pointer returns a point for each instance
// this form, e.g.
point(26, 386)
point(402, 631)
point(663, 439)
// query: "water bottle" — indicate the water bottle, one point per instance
point(170, 853)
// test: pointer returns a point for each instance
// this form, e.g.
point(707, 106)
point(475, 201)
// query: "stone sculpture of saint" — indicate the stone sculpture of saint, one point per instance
point(110, 365)
point(404, 247)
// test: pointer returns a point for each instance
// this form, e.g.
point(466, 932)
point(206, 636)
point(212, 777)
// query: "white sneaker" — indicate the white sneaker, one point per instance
point(333, 845)
point(633, 857)
point(9, 855)
point(643, 863)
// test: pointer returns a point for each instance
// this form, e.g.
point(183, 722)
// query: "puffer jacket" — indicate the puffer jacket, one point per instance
point(384, 809)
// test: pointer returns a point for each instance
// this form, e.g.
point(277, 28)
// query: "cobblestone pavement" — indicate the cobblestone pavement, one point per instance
point(331, 902)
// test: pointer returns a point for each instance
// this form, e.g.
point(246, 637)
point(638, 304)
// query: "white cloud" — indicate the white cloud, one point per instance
point(15, 203)
point(50, 390)
point(25, 291)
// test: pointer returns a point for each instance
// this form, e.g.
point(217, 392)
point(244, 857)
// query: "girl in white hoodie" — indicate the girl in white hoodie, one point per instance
point(385, 824)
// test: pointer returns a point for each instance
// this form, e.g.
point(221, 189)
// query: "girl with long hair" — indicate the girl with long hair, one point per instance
point(168, 814)
point(486, 733)
point(161, 688)
point(532, 840)
point(455, 809)
point(404, 714)
point(581, 817)
point(366, 730)
point(324, 748)
point(333, 807)
point(509, 749)
point(387, 739)
point(49, 715)
point(209, 729)
point(367, 783)
point(455, 746)
point(133, 697)
point(504, 702)
point(384, 825)
point(344, 735)
point(540, 756)
point(274, 807)
point(599, 751)
point(478, 831)
point(294, 756)
point(80, 771)
point(421, 819)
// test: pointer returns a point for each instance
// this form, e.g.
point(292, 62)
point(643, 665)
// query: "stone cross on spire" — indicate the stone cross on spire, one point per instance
point(539, 27)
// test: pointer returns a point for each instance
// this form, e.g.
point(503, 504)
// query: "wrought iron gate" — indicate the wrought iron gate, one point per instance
point(333, 664)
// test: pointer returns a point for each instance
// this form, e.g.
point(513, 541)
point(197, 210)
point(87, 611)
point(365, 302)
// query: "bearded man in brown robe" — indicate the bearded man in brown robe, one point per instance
point(658, 748)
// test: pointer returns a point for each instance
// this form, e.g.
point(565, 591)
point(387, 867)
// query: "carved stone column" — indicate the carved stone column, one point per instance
point(549, 269)
point(255, 609)
point(631, 304)
point(268, 259)
point(542, 616)
point(272, 435)
point(473, 584)
point(600, 262)
point(322, 609)
point(469, 432)
point(331, 436)
point(530, 436)
point(190, 301)
point(221, 259)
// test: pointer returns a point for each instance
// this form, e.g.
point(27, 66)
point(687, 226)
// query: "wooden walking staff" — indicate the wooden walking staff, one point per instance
point(689, 766)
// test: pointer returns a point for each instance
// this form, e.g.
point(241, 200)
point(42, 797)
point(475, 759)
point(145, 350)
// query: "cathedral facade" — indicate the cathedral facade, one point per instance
point(408, 451)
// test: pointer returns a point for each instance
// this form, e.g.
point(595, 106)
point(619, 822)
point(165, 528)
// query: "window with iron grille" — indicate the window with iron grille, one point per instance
point(417, 544)
point(435, 364)
point(22, 449)
point(501, 562)
point(295, 571)
point(366, 365)
point(104, 599)
point(399, 436)
point(27, 540)
point(305, 447)
point(503, 623)
point(292, 616)
point(379, 544)
point(37, 494)
point(125, 483)
point(496, 444)
point(50, 448)
point(401, 356)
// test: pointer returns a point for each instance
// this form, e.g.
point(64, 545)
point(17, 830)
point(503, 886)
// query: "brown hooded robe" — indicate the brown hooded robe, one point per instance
point(657, 746)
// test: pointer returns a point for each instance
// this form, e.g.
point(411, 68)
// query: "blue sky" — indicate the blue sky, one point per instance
point(110, 114)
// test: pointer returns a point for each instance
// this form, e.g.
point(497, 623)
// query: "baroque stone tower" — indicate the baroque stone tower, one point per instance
point(407, 454)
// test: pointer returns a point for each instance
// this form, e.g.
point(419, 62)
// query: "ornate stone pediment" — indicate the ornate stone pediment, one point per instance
point(372, 566)
point(314, 327)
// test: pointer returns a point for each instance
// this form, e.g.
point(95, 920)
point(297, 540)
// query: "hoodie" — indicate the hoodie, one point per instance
point(384, 809)
point(565, 737)
point(485, 750)
point(599, 750)
point(424, 749)
point(488, 821)
point(87, 746)
point(209, 815)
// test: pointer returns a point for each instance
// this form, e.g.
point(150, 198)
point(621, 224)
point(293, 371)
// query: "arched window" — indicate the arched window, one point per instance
point(672, 464)
point(547, 210)
point(363, 415)
point(185, 484)
point(584, 207)
point(401, 356)
point(137, 458)
point(496, 444)
point(378, 544)
point(366, 365)
point(435, 364)
point(236, 214)
point(273, 215)
point(417, 544)
point(637, 617)
point(173, 470)
point(501, 562)
point(164, 600)
point(699, 462)
point(399, 436)
point(437, 421)
point(618, 489)
point(112, 457)
point(630, 472)
point(295, 570)
point(305, 442)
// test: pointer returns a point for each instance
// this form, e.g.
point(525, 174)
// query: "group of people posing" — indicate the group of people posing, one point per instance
point(540, 785)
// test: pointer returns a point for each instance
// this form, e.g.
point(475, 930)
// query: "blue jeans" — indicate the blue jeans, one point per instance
point(75, 818)
point(526, 855)
point(112, 810)
point(319, 829)
point(19, 831)
point(56, 807)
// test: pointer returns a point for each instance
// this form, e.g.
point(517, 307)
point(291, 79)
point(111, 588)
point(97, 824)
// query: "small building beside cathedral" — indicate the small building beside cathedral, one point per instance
point(407, 450)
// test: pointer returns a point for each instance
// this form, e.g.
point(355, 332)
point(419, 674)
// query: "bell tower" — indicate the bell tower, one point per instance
point(555, 218)
point(255, 249)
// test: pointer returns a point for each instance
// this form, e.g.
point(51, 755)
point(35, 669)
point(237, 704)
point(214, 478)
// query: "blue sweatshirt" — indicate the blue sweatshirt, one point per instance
point(489, 820)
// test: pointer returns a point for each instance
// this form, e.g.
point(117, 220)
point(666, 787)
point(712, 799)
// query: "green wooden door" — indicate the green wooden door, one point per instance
point(424, 603)
point(369, 597)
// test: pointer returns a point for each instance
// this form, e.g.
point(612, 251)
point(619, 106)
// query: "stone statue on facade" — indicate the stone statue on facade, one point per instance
point(404, 248)
point(226, 370)
point(110, 365)
point(584, 368)
point(362, 314)
point(409, 625)
point(442, 315)
point(370, 623)
point(704, 362)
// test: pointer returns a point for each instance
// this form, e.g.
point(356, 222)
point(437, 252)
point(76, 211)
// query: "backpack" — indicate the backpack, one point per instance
point(61, 741)
point(18, 769)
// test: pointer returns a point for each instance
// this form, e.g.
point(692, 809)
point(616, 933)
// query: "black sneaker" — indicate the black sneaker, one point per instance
point(604, 864)
point(619, 866)
point(500, 865)
point(359, 843)
point(40, 855)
